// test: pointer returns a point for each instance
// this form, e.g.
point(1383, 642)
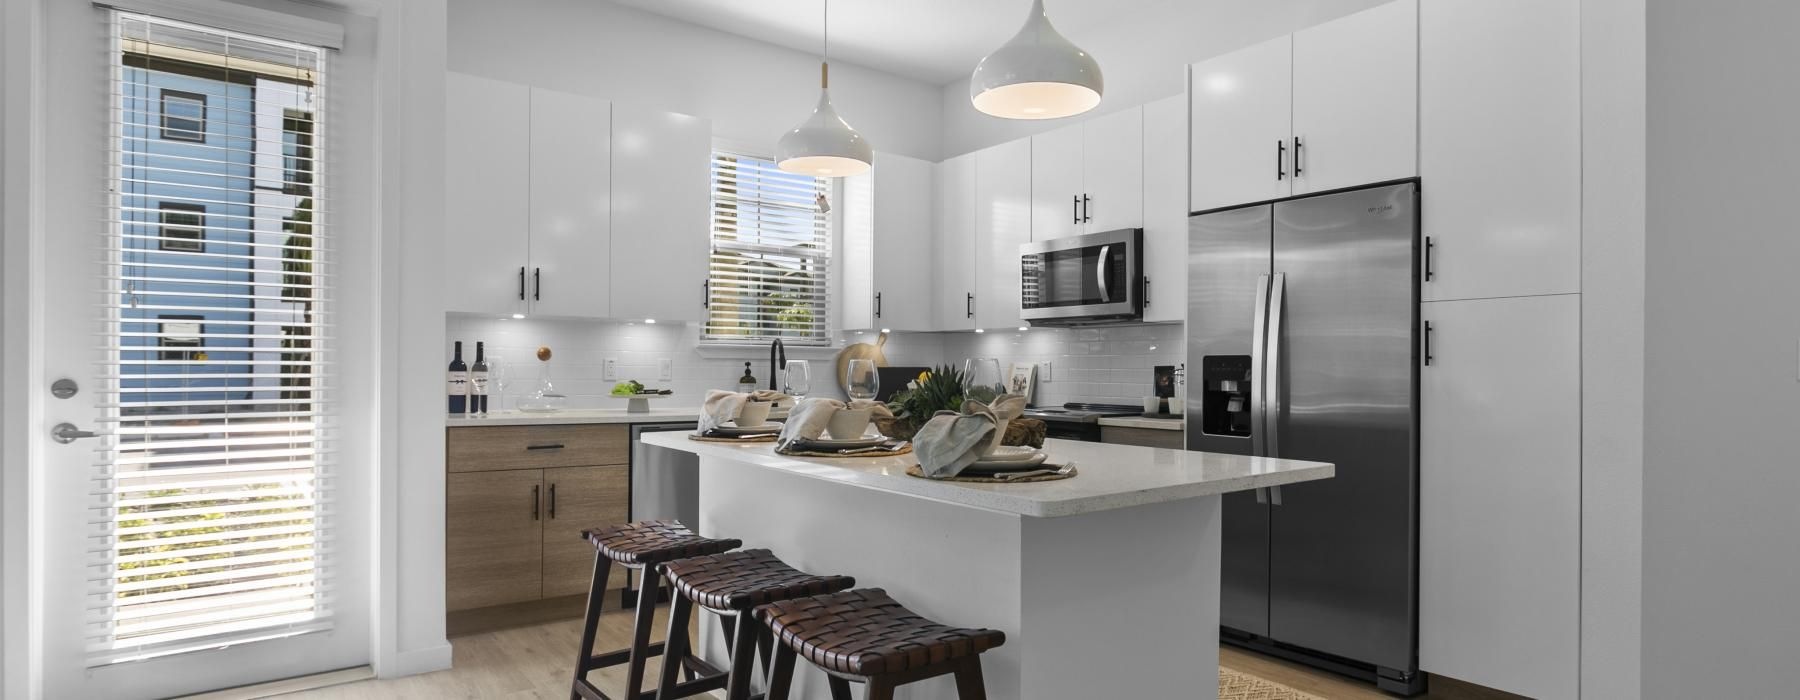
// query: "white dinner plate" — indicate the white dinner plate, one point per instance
point(1011, 453)
point(733, 429)
point(833, 444)
point(989, 466)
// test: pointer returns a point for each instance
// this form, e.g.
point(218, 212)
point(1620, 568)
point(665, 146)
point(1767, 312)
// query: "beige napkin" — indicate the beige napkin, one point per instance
point(949, 442)
point(809, 418)
point(721, 407)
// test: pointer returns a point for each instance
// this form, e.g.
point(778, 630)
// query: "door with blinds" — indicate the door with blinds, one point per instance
point(201, 526)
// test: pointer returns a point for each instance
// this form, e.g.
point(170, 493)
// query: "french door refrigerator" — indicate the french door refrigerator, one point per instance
point(1302, 320)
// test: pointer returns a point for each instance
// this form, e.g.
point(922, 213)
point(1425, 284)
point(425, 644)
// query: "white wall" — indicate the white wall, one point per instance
point(1144, 59)
point(1722, 404)
point(752, 91)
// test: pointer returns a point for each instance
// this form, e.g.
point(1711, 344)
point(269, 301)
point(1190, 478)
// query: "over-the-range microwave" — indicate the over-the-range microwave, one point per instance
point(1083, 280)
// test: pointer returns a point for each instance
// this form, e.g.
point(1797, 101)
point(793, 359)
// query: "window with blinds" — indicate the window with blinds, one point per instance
point(771, 253)
point(211, 492)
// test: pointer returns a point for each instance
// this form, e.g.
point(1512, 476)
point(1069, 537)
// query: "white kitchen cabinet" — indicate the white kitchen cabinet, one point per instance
point(887, 247)
point(487, 182)
point(1356, 99)
point(661, 208)
point(1500, 147)
point(953, 253)
point(1088, 177)
point(1165, 209)
point(1002, 224)
point(571, 205)
point(1500, 493)
point(1241, 120)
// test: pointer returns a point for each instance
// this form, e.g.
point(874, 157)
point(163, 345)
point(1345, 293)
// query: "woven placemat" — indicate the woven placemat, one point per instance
point(916, 470)
point(758, 438)
point(871, 453)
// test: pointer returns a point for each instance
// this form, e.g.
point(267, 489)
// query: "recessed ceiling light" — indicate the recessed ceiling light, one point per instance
point(518, 315)
point(649, 320)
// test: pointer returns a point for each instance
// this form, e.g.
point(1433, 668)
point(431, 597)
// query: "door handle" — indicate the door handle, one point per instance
point(553, 501)
point(1100, 274)
point(534, 501)
point(1074, 209)
point(65, 433)
point(1258, 341)
point(1280, 159)
point(705, 294)
point(1087, 208)
point(1297, 147)
point(971, 307)
point(1272, 402)
point(537, 284)
point(1429, 247)
point(521, 283)
point(1146, 291)
point(1428, 330)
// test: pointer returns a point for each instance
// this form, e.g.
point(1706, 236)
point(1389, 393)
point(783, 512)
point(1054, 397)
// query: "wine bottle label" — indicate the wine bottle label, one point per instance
point(478, 383)
point(458, 383)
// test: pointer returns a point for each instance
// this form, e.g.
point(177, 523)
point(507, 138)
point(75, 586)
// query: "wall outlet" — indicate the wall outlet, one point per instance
point(1043, 372)
point(610, 369)
point(665, 369)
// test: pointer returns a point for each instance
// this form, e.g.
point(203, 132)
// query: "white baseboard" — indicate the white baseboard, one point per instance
point(416, 661)
point(288, 685)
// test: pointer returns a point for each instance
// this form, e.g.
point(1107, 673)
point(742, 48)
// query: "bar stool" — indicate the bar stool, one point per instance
point(864, 636)
point(730, 585)
point(640, 546)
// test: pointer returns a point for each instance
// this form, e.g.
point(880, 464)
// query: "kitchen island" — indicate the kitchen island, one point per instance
point(1106, 584)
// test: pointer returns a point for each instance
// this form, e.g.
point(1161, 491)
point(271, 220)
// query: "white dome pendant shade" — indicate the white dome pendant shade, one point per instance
point(824, 145)
point(1037, 74)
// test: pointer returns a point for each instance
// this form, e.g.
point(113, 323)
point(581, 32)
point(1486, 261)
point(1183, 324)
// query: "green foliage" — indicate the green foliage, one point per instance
point(937, 390)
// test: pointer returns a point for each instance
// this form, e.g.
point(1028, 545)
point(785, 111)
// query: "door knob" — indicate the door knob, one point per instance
point(65, 433)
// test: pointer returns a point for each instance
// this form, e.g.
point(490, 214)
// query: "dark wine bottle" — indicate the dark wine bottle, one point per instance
point(478, 380)
point(458, 386)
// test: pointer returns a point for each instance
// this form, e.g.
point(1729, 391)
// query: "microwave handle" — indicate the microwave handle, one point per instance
point(1100, 274)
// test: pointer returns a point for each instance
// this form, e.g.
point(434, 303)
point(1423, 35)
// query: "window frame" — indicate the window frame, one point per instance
point(163, 241)
point(167, 350)
point(828, 188)
point(195, 135)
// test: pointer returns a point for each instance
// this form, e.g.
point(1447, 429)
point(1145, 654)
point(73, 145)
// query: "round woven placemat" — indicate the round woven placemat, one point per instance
point(917, 471)
point(759, 438)
point(871, 453)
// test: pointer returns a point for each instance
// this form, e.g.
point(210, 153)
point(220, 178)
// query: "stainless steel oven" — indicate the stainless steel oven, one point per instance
point(1080, 280)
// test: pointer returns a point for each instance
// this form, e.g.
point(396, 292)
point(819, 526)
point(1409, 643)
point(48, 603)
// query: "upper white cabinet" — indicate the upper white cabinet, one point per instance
point(1356, 99)
point(1332, 106)
point(1088, 177)
point(1500, 493)
point(661, 204)
point(953, 271)
point(887, 247)
point(571, 204)
point(1500, 147)
point(1241, 122)
point(487, 180)
point(1002, 224)
point(1165, 210)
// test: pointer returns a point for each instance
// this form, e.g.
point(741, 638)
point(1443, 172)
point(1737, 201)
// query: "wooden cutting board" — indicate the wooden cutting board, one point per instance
point(859, 351)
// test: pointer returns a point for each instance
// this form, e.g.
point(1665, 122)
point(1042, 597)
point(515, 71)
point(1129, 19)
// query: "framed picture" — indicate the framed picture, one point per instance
point(1022, 380)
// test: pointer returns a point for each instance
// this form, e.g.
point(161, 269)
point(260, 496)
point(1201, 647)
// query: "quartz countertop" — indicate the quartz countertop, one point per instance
point(1141, 422)
point(1110, 477)
point(576, 417)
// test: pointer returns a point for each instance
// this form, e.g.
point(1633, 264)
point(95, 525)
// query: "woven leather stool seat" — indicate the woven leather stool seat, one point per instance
point(745, 579)
point(648, 542)
point(865, 633)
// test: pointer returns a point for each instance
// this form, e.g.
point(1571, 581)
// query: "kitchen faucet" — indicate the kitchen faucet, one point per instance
point(776, 347)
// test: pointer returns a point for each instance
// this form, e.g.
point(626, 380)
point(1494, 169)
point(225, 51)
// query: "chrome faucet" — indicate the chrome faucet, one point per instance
point(774, 364)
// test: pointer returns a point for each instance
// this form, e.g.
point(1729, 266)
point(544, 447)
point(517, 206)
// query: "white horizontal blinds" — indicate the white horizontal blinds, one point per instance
point(771, 249)
point(211, 492)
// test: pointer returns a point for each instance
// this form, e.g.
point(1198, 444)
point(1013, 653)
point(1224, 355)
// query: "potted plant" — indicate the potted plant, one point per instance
point(941, 389)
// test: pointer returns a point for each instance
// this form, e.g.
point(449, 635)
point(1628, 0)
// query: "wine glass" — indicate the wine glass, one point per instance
point(981, 379)
point(862, 380)
point(498, 377)
point(797, 379)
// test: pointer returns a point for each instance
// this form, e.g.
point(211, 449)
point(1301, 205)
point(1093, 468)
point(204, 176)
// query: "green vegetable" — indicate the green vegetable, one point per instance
point(627, 388)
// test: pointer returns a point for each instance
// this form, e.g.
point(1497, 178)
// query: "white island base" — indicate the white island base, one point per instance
point(1118, 598)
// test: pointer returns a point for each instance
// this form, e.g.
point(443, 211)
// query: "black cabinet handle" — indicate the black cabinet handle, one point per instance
point(537, 284)
point(878, 305)
point(971, 305)
point(1428, 330)
point(705, 294)
point(1074, 209)
point(553, 501)
point(1146, 292)
point(555, 446)
point(534, 501)
point(521, 283)
point(1087, 208)
point(1280, 159)
point(1297, 147)
point(1429, 246)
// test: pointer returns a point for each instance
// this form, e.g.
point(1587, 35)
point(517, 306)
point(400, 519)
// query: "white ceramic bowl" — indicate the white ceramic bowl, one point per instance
point(753, 414)
point(849, 423)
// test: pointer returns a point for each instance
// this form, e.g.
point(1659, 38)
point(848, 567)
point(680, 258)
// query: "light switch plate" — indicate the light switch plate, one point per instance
point(610, 369)
point(665, 368)
point(1044, 372)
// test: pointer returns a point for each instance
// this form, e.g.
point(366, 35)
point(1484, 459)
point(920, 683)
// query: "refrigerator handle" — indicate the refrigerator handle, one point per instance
point(1275, 495)
point(1272, 396)
point(1262, 496)
point(1258, 337)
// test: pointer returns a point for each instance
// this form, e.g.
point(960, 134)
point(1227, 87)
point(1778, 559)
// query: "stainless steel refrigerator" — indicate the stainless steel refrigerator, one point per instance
point(1302, 320)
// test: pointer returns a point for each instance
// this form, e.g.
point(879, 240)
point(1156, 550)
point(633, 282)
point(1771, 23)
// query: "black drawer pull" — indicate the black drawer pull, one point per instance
point(556, 446)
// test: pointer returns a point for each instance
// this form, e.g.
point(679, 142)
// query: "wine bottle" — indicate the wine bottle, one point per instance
point(458, 386)
point(478, 381)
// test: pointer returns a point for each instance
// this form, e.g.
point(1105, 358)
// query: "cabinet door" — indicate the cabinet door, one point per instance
point(903, 237)
point(576, 499)
point(1165, 210)
point(493, 548)
point(1241, 119)
point(488, 187)
point(1500, 147)
point(662, 204)
point(856, 257)
point(1356, 99)
point(953, 275)
point(571, 193)
point(1500, 487)
point(1002, 224)
point(1112, 171)
point(1055, 163)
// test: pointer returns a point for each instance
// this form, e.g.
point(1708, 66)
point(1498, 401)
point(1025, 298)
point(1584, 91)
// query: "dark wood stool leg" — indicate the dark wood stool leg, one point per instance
point(880, 688)
point(765, 643)
point(840, 689)
point(675, 646)
point(743, 660)
point(969, 685)
point(640, 634)
point(591, 621)
point(781, 674)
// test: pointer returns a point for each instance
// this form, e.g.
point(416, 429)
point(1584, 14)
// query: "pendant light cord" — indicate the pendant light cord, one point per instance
point(825, 49)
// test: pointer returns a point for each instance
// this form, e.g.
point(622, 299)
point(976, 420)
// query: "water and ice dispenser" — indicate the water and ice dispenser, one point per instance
point(1226, 398)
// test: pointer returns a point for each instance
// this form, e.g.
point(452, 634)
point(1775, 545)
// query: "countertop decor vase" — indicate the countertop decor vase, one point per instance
point(545, 399)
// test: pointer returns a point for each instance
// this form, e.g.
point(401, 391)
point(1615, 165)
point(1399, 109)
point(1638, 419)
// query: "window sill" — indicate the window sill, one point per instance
point(760, 351)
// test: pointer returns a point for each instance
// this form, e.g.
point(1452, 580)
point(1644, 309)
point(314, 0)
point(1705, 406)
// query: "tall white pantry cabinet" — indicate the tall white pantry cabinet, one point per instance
point(1492, 131)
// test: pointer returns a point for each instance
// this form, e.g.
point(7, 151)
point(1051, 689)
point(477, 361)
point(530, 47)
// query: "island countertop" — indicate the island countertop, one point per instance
point(1110, 477)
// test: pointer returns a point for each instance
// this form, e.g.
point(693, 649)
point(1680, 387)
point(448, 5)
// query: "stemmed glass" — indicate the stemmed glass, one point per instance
point(861, 379)
point(981, 379)
point(497, 376)
point(797, 379)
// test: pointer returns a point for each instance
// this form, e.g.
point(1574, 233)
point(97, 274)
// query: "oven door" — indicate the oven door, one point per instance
point(1082, 279)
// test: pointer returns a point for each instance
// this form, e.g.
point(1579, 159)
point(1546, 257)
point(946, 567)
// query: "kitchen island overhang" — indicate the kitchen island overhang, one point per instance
point(1106, 584)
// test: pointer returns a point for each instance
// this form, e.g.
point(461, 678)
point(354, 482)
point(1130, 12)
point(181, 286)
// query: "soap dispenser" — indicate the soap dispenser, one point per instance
point(747, 383)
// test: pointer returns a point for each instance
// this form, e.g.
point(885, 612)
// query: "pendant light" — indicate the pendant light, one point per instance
point(1037, 74)
point(824, 145)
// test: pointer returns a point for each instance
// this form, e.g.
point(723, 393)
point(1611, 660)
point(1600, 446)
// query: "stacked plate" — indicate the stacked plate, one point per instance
point(1008, 459)
point(732, 430)
point(825, 444)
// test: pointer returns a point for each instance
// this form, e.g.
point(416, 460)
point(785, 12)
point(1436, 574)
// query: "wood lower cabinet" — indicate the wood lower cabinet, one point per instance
point(517, 499)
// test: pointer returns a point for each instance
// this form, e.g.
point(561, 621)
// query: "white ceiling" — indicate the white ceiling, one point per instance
point(936, 41)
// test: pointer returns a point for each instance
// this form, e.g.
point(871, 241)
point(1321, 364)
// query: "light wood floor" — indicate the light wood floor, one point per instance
point(536, 662)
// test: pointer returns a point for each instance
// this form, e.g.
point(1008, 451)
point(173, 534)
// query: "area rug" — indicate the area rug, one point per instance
point(1243, 686)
